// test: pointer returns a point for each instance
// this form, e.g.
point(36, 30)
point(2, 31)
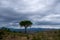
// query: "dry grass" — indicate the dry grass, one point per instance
point(45, 35)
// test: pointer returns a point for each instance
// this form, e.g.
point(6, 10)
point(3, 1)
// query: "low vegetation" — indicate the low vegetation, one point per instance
point(44, 35)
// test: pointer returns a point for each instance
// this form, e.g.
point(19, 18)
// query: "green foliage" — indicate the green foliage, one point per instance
point(5, 29)
point(25, 23)
point(1, 35)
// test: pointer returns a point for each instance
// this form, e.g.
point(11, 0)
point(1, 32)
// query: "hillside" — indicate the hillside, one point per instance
point(43, 35)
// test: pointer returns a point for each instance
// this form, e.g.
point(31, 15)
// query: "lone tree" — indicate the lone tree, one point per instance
point(25, 23)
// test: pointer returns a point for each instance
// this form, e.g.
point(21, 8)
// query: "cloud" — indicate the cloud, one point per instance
point(51, 19)
point(38, 11)
point(36, 5)
point(57, 10)
point(8, 15)
point(47, 26)
point(29, 5)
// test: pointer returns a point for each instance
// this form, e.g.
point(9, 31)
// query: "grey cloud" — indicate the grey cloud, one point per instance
point(8, 15)
point(13, 11)
point(47, 23)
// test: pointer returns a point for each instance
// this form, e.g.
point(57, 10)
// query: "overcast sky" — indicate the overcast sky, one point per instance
point(40, 12)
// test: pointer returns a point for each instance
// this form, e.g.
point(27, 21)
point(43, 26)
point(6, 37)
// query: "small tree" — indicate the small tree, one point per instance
point(25, 23)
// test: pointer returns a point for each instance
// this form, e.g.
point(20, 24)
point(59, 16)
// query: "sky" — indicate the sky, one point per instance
point(40, 12)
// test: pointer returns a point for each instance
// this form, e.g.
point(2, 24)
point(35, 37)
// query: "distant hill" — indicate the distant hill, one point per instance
point(31, 29)
point(28, 30)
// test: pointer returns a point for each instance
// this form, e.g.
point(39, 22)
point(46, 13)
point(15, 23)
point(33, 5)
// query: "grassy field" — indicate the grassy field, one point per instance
point(44, 35)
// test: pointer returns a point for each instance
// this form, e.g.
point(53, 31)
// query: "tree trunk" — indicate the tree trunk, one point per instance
point(25, 29)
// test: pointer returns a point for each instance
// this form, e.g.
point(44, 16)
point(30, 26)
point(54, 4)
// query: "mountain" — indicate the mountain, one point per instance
point(28, 30)
point(31, 29)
